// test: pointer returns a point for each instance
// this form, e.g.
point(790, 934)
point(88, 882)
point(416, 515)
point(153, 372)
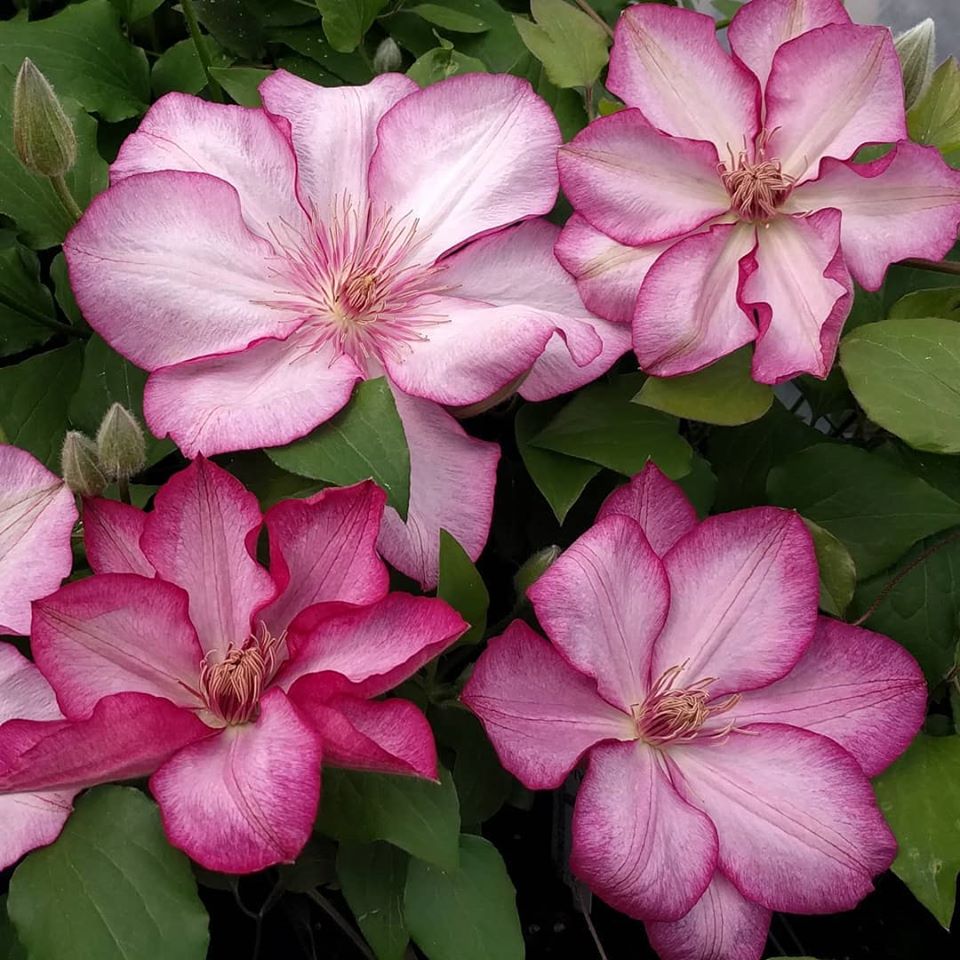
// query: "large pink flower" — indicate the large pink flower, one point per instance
point(183, 658)
point(37, 514)
point(722, 207)
point(730, 731)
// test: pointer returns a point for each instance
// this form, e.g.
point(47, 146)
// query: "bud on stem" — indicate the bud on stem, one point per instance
point(79, 466)
point(916, 49)
point(388, 57)
point(121, 449)
point(42, 134)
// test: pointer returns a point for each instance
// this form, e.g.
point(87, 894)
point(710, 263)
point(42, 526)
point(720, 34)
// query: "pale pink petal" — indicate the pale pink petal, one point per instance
point(465, 156)
point(116, 633)
point(452, 479)
point(269, 394)
point(668, 64)
point(852, 685)
point(374, 647)
point(638, 185)
point(906, 204)
point(199, 536)
point(831, 91)
point(325, 548)
point(657, 504)
point(801, 293)
point(25, 693)
point(540, 714)
point(165, 270)
point(602, 603)
point(743, 600)
point(31, 820)
point(608, 274)
point(688, 311)
point(723, 925)
point(241, 146)
point(37, 514)
point(334, 133)
point(798, 824)
point(760, 27)
point(111, 537)
point(636, 842)
point(245, 799)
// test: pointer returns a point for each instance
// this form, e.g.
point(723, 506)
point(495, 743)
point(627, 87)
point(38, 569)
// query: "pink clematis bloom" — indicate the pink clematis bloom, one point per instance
point(184, 659)
point(37, 514)
point(730, 730)
point(722, 207)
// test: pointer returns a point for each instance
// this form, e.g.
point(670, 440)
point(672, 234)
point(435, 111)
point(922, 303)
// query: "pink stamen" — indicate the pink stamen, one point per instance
point(757, 186)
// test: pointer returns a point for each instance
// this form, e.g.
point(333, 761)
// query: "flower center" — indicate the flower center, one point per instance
point(757, 187)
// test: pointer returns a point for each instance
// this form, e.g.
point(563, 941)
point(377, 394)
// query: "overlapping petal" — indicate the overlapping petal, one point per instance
point(111, 537)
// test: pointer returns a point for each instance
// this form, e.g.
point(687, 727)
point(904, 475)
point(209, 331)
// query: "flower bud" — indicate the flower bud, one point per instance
point(916, 50)
point(533, 569)
point(78, 464)
point(121, 449)
point(388, 57)
point(42, 134)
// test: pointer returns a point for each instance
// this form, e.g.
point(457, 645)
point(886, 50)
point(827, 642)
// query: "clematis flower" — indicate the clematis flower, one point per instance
point(184, 659)
point(259, 262)
point(730, 731)
point(37, 514)
point(723, 208)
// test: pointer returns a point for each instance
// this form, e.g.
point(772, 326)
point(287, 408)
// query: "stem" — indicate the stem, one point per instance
point(334, 914)
point(123, 487)
point(593, 15)
point(590, 926)
point(936, 266)
point(66, 197)
point(589, 104)
point(216, 91)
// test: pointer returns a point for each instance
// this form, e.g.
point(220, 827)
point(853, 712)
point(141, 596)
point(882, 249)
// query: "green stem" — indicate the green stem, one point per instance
point(123, 488)
point(334, 914)
point(66, 197)
point(216, 91)
point(936, 266)
point(593, 15)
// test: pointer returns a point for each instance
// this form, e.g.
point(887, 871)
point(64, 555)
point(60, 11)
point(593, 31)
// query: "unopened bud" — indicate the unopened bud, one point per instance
point(388, 57)
point(121, 449)
point(916, 50)
point(533, 569)
point(79, 466)
point(42, 134)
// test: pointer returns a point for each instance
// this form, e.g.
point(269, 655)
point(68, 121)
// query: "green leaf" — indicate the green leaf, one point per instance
point(268, 482)
point(365, 440)
point(63, 292)
point(242, 83)
point(24, 301)
point(876, 508)
point(372, 876)
point(700, 484)
point(500, 48)
point(83, 53)
point(465, 914)
point(601, 425)
point(419, 816)
point(569, 44)
point(838, 574)
point(936, 302)
point(567, 105)
point(920, 798)
point(442, 62)
point(309, 41)
point(724, 393)
point(450, 19)
point(36, 394)
point(345, 22)
point(236, 24)
point(111, 887)
point(935, 119)
point(10, 946)
point(180, 68)
point(134, 10)
point(462, 587)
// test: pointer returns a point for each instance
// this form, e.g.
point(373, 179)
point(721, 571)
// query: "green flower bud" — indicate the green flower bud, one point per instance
point(42, 134)
point(916, 50)
point(121, 449)
point(533, 569)
point(78, 464)
point(388, 57)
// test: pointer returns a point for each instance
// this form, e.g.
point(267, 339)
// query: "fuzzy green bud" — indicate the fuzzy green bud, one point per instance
point(388, 57)
point(79, 466)
point(42, 134)
point(533, 569)
point(916, 49)
point(121, 449)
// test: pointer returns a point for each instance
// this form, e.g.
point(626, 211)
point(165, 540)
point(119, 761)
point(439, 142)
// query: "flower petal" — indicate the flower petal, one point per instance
point(445, 462)
point(743, 607)
point(269, 394)
point(31, 820)
point(906, 204)
point(688, 312)
point(37, 514)
point(657, 504)
point(465, 156)
point(165, 270)
point(801, 293)
point(116, 633)
point(807, 117)
point(799, 828)
point(761, 27)
point(638, 185)
point(198, 536)
point(334, 133)
point(602, 603)
point(240, 146)
point(854, 686)
point(668, 64)
point(723, 925)
point(111, 537)
point(245, 799)
point(25, 693)
point(325, 548)
point(636, 842)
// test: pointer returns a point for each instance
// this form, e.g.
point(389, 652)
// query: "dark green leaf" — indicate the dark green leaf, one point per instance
point(236, 24)
point(569, 44)
point(345, 22)
point(63, 292)
point(10, 946)
point(838, 575)
point(24, 301)
point(242, 83)
point(111, 887)
point(935, 120)
point(462, 587)
point(315, 866)
point(268, 482)
point(500, 48)
point(309, 41)
point(700, 484)
point(937, 302)
point(440, 63)
point(134, 10)
point(449, 18)
point(567, 105)
point(180, 68)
